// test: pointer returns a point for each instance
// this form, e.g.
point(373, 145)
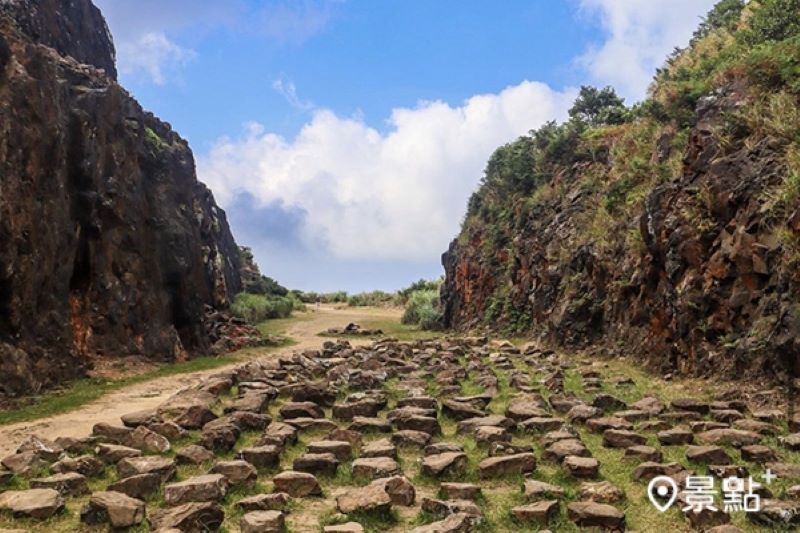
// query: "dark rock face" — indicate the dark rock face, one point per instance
point(697, 287)
point(108, 243)
point(73, 28)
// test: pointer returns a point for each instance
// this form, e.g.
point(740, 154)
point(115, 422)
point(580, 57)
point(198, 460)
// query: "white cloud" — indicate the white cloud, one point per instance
point(366, 194)
point(285, 87)
point(152, 54)
point(641, 33)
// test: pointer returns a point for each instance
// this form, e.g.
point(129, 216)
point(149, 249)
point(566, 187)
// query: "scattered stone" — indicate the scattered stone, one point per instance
point(460, 491)
point(675, 437)
point(24, 463)
point(600, 492)
point(581, 467)
point(455, 523)
point(297, 484)
point(32, 503)
point(194, 455)
point(507, 465)
point(148, 441)
point(728, 436)
point(591, 514)
point(411, 438)
point(375, 467)
point(261, 457)
point(114, 453)
point(194, 517)
point(88, 465)
point(758, 453)
point(379, 448)
point(141, 486)
point(69, 484)
point(262, 522)
point(643, 453)
point(710, 455)
point(622, 438)
point(278, 501)
point(347, 527)
point(236, 472)
point(445, 464)
point(539, 490)
point(371, 498)
point(131, 466)
point(205, 488)
point(324, 464)
point(115, 508)
point(542, 512)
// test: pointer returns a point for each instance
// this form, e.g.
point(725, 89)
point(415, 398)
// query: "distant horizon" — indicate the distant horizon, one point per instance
point(345, 138)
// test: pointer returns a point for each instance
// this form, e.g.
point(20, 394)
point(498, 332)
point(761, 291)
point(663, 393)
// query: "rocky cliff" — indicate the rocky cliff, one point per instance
point(669, 232)
point(109, 245)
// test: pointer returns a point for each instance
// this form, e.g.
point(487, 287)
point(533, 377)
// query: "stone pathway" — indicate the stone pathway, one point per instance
point(448, 436)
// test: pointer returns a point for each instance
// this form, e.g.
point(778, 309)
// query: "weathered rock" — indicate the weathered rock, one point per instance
point(785, 470)
point(409, 437)
point(114, 453)
point(675, 436)
point(601, 424)
point(648, 470)
point(69, 484)
point(399, 489)
point(32, 503)
point(261, 457)
point(194, 455)
point(364, 424)
point(262, 522)
point(291, 410)
point(732, 437)
point(777, 514)
point(643, 453)
point(535, 490)
point(347, 527)
point(445, 464)
point(46, 449)
point(600, 492)
point(375, 467)
point(236, 472)
point(113, 434)
point(297, 484)
point(581, 467)
point(622, 438)
point(324, 464)
point(115, 508)
point(446, 507)
point(24, 463)
point(517, 464)
point(141, 486)
point(561, 449)
point(371, 498)
point(131, 466)
point(455, 523)
point(195, 517)
point(460, 491)
point(379, 448)
point(542, 512)
point(713, 455)
point(758, 453)
point(278, 501)
point(205, 488)
point(147, 440)
point(591, 514)
point(87, 465)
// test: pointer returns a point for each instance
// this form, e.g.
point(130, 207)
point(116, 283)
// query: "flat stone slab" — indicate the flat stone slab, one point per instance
point(297, 484)
point(32, 503)
point(205, 488)
point(115, 508)
point(542, 512)
point(375, 467)
point(516, 464)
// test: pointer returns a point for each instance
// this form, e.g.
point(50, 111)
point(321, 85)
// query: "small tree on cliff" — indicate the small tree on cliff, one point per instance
point(598, 107)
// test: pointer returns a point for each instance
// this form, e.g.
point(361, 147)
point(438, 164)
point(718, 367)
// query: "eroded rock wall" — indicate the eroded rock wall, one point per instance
point(108, 243)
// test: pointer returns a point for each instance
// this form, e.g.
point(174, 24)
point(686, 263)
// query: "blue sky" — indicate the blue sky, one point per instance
point(343, 137)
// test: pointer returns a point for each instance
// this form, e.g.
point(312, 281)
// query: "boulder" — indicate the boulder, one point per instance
point(116, 509)
point(297, 484)
point(32, 503)
point(141, 486)
point(592, 514)
point(375, 467)
point(236, 472)
point(262, 522)
point(190, 517)
point(517, 464)
point(131, 466)
point(541, 512)
point(205, 488)
point(68, 484)
point(445, 464)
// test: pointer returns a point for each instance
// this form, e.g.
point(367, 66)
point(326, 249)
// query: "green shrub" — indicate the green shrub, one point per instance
point(255, 308)
point(773, 20)
point(423, 310)
point(372, 299)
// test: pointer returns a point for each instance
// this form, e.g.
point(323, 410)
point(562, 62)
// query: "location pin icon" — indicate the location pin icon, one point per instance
point(661, 488)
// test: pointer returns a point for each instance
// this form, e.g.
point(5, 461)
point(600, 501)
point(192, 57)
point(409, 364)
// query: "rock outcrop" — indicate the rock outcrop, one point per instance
point(671, 237)
point(108, 243)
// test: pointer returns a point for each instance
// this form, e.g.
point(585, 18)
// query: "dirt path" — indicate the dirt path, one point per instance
point(150, 394)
